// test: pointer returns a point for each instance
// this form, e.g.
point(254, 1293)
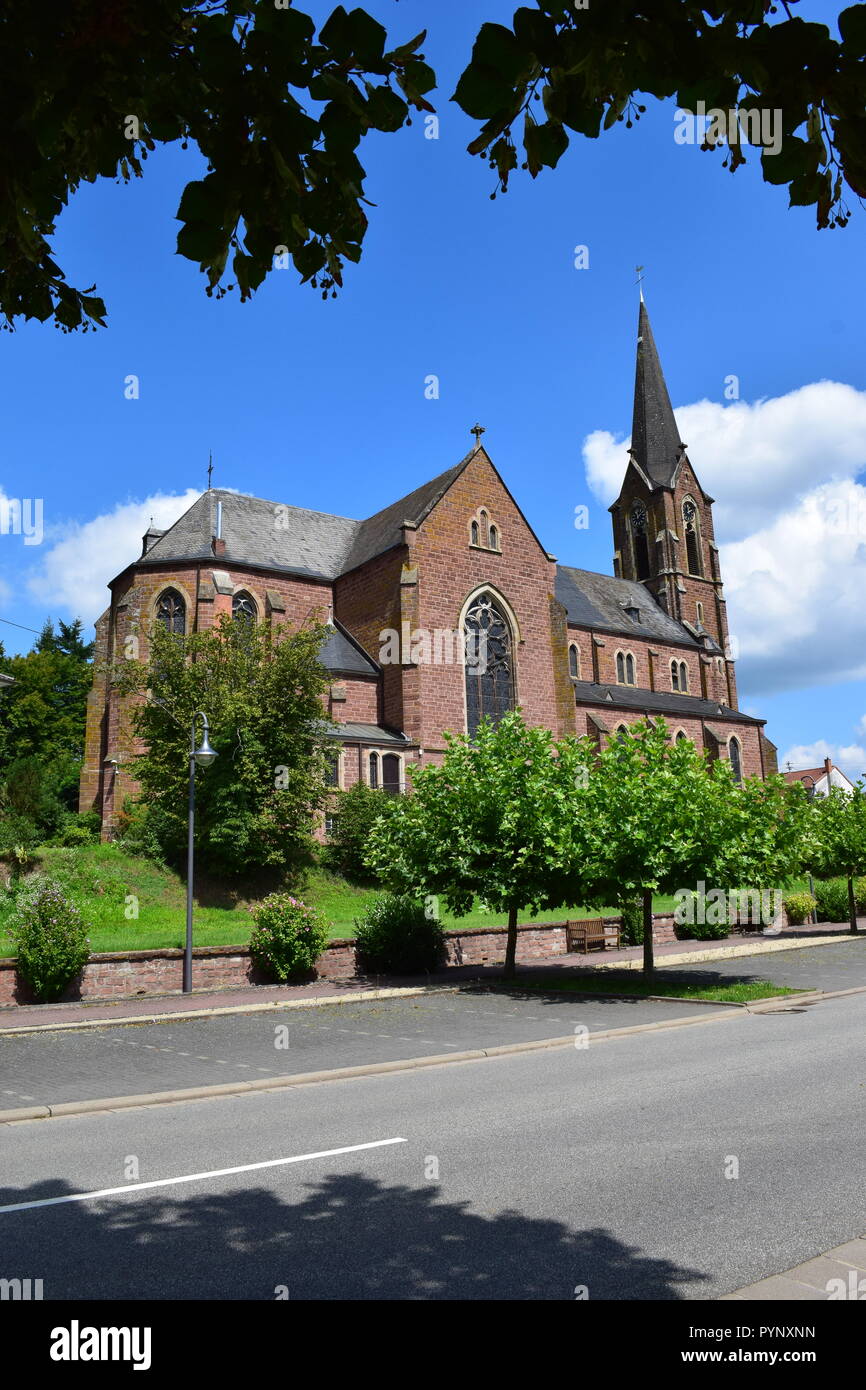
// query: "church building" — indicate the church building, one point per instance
point(453, 563)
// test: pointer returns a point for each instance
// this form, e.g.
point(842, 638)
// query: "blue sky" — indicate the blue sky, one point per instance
point(323, 404)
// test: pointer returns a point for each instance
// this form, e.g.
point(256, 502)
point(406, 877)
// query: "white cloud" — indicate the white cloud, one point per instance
point(850, 757)
point(795, 593)
point(752, 456)
point(72, 575)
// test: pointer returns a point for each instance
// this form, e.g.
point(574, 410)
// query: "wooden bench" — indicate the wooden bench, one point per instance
point(587, 935)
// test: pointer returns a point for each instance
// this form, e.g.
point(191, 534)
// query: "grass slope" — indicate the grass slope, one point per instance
point(111, 886)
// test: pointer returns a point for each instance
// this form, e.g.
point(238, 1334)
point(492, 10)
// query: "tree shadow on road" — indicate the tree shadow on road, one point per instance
point(343, 1236)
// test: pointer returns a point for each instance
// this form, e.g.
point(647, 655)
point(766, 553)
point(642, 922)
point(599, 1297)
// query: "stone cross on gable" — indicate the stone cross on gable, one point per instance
point(477, 430)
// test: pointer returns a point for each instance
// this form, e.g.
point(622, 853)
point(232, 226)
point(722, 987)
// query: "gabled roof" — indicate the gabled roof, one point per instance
point(600, 600)
point(655, 438)
point(383, 530)
point(272, 535)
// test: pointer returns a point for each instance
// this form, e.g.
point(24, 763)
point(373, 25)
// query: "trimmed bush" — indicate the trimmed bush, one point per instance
point(693, 908)
point(396, 937)
point(799, 907)
point(631, 922)
point(50, 938)
point(831, 895)
point(355, 812)
point(288, 936)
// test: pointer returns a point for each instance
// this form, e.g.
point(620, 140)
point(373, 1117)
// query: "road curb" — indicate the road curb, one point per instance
point(387, 992)
point(240, 1088)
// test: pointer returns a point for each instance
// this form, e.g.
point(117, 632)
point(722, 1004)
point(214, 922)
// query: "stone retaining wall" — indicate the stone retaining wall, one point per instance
point(123, 975)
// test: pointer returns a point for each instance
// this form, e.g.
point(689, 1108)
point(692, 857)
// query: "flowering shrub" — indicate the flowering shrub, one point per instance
point(288, 936)
point(50, 938)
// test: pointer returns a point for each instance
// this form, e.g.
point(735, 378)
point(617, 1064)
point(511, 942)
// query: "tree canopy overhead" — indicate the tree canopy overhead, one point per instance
point(279, 109)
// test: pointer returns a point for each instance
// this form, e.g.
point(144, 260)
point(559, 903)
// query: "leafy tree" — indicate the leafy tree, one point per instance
point(355, 813)
point(278, 111)
point(496, 820)
point(839, 846)
point(662, 819)
point(43, 715)
point(569, 68)
point(264, 701)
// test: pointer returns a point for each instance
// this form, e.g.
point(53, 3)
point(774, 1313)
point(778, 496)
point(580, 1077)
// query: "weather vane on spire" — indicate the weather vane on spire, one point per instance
point(639, 281)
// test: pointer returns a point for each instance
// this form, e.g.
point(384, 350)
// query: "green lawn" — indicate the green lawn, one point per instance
point(738, 992)
point(101, 879)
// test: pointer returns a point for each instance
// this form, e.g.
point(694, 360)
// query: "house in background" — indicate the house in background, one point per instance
point(6, 681)
point(818, 780)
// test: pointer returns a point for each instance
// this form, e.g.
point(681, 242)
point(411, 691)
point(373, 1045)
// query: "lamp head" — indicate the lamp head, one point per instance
point(204, 754)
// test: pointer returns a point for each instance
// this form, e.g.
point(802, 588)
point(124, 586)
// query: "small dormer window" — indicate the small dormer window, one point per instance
point(633, 612)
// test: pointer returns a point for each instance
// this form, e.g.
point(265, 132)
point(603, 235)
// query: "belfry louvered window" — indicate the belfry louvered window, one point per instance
point(489, 662)
point(639, 541)
point(693, 547)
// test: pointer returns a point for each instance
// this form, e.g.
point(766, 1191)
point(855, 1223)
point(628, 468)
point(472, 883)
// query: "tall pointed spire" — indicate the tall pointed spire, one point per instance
point(655, 439)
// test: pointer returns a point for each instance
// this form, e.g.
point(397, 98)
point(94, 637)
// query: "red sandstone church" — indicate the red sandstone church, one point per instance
point(579, 652)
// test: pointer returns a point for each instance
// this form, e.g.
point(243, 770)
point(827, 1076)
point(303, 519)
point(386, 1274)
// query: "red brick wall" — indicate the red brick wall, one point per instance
point(117, 976)
point(449, 570)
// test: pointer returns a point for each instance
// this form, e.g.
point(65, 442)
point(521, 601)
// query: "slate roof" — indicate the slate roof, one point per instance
point(267, 534)
point(274, 536)
point(341, 654)
point(629, 697)
point(367, 733)
point(655, 438)
point(599, 601)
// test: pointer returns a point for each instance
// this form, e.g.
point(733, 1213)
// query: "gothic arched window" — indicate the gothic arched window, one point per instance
point(693, 548)
point(489, 662)
point(494, 538)
point(679, 675)
point(374, 769)
point(735, 755)
point(244, 606)
point(639, 541)
point(474, 534)
point(171, 612)
point(620, 668)
point(625, 668)
point(682, 737)
point(574, 662)
point(629, 669)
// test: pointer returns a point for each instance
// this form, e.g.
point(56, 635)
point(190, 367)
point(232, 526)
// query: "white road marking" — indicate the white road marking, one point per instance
point(199, 1177)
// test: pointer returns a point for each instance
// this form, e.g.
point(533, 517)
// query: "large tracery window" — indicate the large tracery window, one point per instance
point(639, 541)
point(489, 662)
point(171, 612)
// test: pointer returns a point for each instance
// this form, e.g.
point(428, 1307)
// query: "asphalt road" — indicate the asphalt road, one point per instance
point(527, 1177)
point(53, 1067)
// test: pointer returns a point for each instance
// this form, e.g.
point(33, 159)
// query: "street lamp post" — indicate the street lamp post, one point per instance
point(204, 755)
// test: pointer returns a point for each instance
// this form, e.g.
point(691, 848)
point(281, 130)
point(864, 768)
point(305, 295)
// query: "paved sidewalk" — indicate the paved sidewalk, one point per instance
point(14, 1017)
point(840, 1274)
